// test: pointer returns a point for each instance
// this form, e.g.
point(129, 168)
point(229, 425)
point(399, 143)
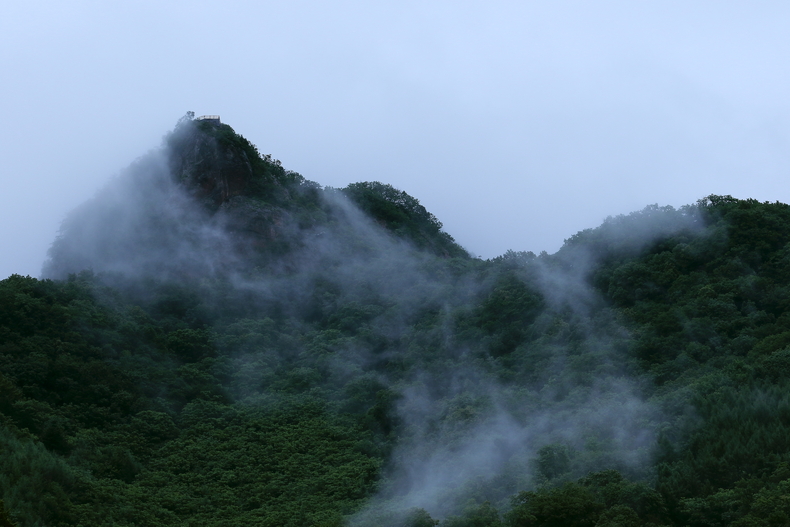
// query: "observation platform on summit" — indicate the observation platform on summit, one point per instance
point(214, 119)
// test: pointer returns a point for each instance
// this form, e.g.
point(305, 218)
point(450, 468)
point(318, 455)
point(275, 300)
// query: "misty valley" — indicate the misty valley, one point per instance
point(217, 341)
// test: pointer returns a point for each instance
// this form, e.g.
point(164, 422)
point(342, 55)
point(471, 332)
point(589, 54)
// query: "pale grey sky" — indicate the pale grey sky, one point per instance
point(516, 123)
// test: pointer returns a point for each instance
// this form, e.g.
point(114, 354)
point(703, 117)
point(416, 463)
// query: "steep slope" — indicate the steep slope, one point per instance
point(208, 204)
point(250, 348)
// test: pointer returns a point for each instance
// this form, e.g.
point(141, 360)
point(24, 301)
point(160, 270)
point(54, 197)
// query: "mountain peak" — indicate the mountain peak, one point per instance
point(214, 163)
point(209, 202)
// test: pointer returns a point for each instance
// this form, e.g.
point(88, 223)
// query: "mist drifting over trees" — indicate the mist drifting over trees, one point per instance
point(217, 340)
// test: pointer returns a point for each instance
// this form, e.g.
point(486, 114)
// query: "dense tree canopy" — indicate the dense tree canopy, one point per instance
point(369, 372)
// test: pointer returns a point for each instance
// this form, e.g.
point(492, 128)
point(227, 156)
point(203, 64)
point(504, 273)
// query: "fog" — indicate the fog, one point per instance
point(516, 124)
point(462, 427)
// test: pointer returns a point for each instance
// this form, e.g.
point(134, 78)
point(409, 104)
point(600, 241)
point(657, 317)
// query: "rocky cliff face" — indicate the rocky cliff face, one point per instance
point(208, 203)
point(202, 204)
point(211, 173)
point(226, 175)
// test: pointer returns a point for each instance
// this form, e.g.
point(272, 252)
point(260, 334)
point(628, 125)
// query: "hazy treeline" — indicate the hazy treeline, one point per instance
point(224, 342)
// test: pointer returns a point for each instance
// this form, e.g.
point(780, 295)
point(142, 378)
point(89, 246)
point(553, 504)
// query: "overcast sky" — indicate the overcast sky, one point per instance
point(516, 123)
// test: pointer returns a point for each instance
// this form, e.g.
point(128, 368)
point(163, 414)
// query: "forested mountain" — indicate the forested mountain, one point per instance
point(219, 341)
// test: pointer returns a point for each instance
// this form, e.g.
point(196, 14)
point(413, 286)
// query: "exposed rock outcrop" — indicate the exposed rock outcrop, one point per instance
point(211, 172)
point(208, 203)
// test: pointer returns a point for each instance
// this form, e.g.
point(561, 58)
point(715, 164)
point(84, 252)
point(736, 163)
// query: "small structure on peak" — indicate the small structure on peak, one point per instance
point(213, 119)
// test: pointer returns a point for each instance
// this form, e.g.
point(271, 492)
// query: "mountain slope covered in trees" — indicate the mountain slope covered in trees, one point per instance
point(218, 341)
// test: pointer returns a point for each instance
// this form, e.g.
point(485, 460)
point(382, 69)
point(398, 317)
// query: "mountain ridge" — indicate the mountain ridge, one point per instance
point(208, 178)
point(353, 366)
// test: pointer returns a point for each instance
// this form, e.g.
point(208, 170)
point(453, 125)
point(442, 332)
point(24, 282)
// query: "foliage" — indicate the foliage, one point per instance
point(403, 215)
point(112, 394)
point(640, 376)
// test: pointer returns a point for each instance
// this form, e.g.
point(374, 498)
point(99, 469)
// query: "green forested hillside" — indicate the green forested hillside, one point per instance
point(223, 342)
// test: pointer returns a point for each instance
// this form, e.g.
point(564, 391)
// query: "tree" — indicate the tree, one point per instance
point(5, 519)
